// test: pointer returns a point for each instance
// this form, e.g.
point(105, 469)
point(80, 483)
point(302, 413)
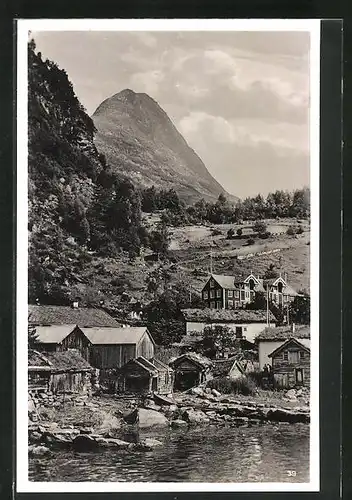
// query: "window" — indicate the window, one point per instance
point(218, 293)
point(280, 287)
point(244, 328)
point(205, 295)
point(247, 295)
point(211, 283)
point(236, 304)
point(293, 356)
point(242, 295)
point(212, 294)
point(237, 294)
point(251, 284)
point(301, 354)
point(285, 356)
point(230, 293)
point(218, 305)
point(212, 305)
point(230, 303)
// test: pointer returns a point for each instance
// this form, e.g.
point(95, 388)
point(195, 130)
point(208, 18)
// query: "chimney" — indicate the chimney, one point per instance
point(293, 328)
point(285, 277)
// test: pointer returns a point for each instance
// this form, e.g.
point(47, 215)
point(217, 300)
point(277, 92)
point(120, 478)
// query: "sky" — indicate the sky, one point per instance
point(240, 99)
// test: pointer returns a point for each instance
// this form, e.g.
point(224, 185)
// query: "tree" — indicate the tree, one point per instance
point(299, 309)
point(159, 240)
point(239, 231)
point(216, 340)
point(32, 337)
point(271, 272)
point(259, 301)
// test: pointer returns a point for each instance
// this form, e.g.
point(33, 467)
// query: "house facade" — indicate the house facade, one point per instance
point(245, 324)
point(190, 370)
point(272, 338)
point(291, 364)
point(228, 292)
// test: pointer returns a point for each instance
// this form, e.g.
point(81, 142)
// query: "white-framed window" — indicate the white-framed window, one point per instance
point(247, 295)
point(230, 293)
point(236, 304)
point(237, 294)
point(211, 283)
point(212, 305)
point(242, 295)
point(212, 294)
point(230, 303)
point(218, 294)
point(205, 295)
point(218, 305)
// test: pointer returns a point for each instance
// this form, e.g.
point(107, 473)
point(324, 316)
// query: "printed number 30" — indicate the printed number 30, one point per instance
point(291, 473)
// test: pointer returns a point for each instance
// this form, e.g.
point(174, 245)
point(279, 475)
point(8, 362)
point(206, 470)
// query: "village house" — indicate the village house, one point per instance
point(190, 369)
point(232, 368)
point(144, 376)
point(112, 348)
point(245, 323)
point(59, 372)
point(229, 292)
point(272, 338)
point(291, 364)
point(58, 338)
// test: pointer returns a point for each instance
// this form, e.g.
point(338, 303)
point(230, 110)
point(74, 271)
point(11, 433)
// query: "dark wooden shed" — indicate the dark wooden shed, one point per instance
point(191, 369)
point(144, 376)
point(291, 364)
point(58, 338)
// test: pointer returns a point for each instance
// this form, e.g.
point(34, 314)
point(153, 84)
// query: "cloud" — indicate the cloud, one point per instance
point(148, 81)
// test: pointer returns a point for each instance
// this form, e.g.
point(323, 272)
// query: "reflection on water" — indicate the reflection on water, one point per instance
point(256, 454)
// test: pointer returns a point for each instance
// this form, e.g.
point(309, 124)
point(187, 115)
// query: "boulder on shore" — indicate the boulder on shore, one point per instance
point(178, 423)
point(84, 442)
point(146, 418)
point(37, 451)
point(195, 417)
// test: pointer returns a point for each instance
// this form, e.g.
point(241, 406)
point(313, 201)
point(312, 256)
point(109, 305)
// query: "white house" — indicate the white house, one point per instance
point(244, 323)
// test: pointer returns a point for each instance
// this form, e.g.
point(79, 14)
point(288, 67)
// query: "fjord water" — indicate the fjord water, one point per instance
point(245, 454)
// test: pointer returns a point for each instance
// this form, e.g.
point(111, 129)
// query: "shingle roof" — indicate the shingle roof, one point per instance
point(127, 335)
point(221, 367)
point(59, 361)
point(286, 344)
point(64, 315)
point(227, 315)
point(284, 333)
point(53, 334)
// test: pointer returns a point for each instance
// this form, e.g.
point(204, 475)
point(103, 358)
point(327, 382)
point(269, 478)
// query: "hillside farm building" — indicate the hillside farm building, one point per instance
point(228, 292)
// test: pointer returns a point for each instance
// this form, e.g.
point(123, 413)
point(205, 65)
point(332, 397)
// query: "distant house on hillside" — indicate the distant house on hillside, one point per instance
point(111, 348)
point(48, 315)
point(244, 323)
point(291, 364)
point(272, 338)
point(229, 292)
point(58, 372)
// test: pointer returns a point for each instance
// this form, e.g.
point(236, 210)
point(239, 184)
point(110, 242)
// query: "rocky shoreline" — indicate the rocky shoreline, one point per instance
point(122, 417)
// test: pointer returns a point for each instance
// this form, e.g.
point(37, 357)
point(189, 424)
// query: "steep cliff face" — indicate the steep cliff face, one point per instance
point(140, 141)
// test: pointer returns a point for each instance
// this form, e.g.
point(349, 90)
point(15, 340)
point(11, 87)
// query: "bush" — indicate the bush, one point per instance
point(239, 232)
point(290, 231)
point(299, 230)
point(216, 232)
point(250, 241)
point(243, 385)
point(230, 233)
point(259, 226)
point(265, 235)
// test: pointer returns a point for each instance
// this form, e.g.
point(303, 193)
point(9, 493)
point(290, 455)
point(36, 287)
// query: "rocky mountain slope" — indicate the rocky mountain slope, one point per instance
point(140, 141)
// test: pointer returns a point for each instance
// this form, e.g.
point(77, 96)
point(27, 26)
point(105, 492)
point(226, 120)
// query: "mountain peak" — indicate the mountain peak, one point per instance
point(140, 141)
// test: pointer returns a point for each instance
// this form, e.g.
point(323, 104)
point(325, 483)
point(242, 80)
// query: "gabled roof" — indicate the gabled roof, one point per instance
point(274, 281)
point(289, 342)
point(160, 365)
point(58, 361)
point(195, 358)
point(251, 276)
point(227, 282)
point(127, 335)
point(53, 334)
point(227, 315)
point(65, 315)
point(222, 367)
point(284, 333)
